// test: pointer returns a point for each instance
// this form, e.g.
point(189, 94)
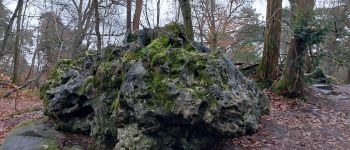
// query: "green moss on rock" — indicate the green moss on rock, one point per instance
point(166, 82)
point(173, 28)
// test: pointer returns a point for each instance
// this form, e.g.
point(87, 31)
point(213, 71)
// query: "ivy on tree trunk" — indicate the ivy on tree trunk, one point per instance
point(291, 84)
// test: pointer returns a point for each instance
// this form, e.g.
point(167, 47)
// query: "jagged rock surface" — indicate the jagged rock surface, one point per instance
point(158, 91)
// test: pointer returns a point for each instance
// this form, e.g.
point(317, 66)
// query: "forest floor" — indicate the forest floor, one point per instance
point(28, 106)
point(320, 122)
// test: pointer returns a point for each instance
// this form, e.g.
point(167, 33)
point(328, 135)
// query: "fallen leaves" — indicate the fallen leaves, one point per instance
point(299, 126)
point(28, 106)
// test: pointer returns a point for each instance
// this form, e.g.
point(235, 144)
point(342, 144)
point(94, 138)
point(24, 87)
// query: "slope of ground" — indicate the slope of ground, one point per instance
point(323, 122)
point(16, 108)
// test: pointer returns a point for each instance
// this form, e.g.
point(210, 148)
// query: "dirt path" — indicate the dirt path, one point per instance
point(322, 123)
point(28, 106)
point(7, 124)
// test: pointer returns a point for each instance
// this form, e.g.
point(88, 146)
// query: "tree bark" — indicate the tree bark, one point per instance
point(84, 20)
point(128, 16)
point(97, 26)
point(16, 55)
point(187, 17)
point(158, 12)
point(146, 15)
point(268, 70)
point(8, 29)
point(214, 34)
point(292, 84)
point(137, 15)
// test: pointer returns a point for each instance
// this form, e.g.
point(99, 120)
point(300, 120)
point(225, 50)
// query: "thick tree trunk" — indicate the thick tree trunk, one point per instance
point(269, 65)
point(291, 84)
point(17, 50)
point(137, 15)
point(292, 81)
point(128, 16)
point(187, 17)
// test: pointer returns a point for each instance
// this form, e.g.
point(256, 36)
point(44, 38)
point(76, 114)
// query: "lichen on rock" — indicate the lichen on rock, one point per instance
point(157, 91)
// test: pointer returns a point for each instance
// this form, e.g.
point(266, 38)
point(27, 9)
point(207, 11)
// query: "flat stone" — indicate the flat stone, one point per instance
point(33, 136)
point(323, 86)
point(343, 97)
point(326, 92)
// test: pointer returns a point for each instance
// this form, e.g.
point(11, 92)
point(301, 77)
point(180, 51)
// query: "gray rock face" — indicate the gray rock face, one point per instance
point(34, 136)
point(168, 94)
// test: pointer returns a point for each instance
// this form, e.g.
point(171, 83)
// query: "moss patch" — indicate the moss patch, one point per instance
point(24, 124)
point(51, 145)
point(31, 133)
point(173, 28)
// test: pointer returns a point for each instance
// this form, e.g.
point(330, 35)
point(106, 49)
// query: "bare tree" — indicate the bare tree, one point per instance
point(9, 27)
point(17, 43)
point(217, 22)
point(83, 22)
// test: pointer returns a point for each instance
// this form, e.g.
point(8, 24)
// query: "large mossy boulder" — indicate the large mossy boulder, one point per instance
point(158, 91)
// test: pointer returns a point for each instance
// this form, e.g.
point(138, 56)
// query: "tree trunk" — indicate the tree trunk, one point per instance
point(32, 64)
point(269, 65)
point(8, 29)
point(128, 16)
point(178, 11)
point(214, 34)
point(348, 82)
point(146, 15)
point(158, 12)
point(17, 50)
point(291, 84)
point(84, 20)
point(97, 26)
point(187, 17)
point(137, 15)
point(200, 25)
